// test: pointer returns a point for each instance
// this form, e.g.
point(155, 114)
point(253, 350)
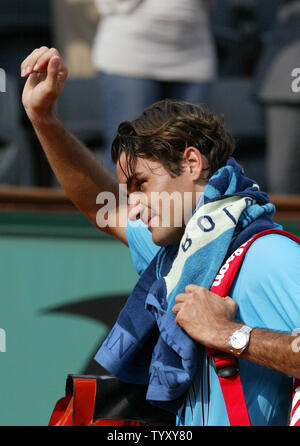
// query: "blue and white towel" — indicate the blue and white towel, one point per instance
point(146, 346)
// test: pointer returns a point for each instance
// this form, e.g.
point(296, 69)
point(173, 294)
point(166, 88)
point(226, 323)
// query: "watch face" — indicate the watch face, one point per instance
point(239, 340)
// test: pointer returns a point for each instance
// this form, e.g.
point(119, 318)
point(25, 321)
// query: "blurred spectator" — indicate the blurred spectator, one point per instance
point(74, 26)
point(274, 89)
point(146, 50)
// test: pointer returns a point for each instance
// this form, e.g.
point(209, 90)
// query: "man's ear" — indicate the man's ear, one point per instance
point(193, 162)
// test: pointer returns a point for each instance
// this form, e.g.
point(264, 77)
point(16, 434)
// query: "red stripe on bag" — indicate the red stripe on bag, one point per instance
point(295, 420)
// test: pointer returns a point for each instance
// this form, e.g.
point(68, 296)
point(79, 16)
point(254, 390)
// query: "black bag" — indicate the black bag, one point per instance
point(106, 401)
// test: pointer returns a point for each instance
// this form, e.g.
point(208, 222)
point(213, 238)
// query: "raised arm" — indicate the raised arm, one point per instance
point(80, 173)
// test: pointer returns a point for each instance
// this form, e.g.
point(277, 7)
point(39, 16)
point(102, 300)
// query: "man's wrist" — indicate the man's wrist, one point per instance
point(223, 335)
point(43, 119)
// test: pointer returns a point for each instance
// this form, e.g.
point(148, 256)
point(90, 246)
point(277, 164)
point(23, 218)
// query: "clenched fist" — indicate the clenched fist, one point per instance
point(205, 316)
point(46, 74)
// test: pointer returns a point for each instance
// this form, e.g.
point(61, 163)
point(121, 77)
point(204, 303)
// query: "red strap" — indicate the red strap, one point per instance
point(84, 401)
point(231, 385)
point(62, 412)
point(234, 398)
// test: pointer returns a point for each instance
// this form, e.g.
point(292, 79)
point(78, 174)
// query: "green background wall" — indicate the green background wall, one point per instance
point(47, 261)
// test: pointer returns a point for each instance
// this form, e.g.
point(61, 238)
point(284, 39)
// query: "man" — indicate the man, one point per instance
point(152, 156)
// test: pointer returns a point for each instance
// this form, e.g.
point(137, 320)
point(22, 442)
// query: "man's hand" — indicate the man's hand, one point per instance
point(205, 316)
point(79, 171)
point(46, 78)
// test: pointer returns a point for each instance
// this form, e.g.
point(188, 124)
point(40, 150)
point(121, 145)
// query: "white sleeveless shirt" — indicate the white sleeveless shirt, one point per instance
point(158, 39)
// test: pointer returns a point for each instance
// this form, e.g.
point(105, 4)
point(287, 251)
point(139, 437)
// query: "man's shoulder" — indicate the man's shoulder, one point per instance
point(273, 251)
point(267, 287)
point(271, 258)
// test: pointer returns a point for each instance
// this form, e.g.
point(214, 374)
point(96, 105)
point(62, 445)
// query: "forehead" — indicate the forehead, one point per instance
point(122, 168)
point(141, 167)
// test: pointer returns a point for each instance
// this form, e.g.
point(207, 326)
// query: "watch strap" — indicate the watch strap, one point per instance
point(246, 329)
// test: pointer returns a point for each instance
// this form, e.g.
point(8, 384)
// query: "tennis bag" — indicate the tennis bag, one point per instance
point(107, 401)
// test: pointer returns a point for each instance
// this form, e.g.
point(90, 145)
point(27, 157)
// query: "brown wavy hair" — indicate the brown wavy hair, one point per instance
point(165, 129)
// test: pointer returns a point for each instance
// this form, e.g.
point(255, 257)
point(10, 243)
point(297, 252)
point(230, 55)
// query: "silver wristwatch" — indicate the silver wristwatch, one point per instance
point(239, 340)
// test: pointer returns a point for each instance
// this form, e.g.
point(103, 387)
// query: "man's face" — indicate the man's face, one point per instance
point(162, 202)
